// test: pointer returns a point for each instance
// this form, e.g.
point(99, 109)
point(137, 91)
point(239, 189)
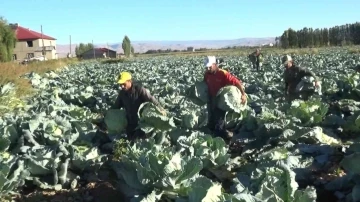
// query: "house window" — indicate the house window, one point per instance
point(29, 43)
point(14, 57)
point(30, 55)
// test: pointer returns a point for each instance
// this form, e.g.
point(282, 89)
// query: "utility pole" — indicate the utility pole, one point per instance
point(107, 46)
point(43, 45)
point(92, 41)
point(70, 46)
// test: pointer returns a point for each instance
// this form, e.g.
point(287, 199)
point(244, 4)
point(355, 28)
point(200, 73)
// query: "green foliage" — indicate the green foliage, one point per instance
point(7, 41)
point(348, 34)
point(278, 152)
point(113, 61)
point(126, 46)
point(82, 48)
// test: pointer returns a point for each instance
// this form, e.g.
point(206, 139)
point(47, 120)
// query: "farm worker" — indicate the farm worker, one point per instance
point(216, 78)
point(293, 75)
point(256, 59)
point(130, 98)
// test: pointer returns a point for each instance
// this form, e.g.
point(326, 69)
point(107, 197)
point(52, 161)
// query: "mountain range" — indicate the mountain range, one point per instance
point(143, 46)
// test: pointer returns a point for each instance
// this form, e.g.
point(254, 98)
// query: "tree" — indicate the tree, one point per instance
point(284, 40)
point(126, 46)
point(7, 41)
point(82, 48)
point(293, 38)
point(325, 36)
point(348, 34)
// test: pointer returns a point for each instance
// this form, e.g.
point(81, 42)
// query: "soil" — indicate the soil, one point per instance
point(91, 192)
point(96, 188)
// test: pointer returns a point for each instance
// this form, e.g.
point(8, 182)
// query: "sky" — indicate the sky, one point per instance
point(107, 21)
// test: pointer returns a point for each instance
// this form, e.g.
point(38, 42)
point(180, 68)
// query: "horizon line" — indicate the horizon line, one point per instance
point(192, 40)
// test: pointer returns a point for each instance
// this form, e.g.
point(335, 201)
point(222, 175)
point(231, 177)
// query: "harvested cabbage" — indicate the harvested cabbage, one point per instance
point(229, 99)
point(153, 118)
point(307, 83)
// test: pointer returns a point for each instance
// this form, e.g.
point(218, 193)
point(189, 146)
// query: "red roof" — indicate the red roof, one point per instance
point(23, 33)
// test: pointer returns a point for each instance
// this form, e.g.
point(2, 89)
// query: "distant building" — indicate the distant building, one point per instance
point(32, 44)
point(99, 53)
point(268, 45)
point(191, 49)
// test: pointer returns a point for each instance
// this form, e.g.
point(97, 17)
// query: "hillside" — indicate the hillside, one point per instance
point(143, 46)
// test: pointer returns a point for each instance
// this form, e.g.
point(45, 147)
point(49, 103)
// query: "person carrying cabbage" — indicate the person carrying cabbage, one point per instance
point(256, 59)
point(216, 78)
point(130, 98)
point(293, 75)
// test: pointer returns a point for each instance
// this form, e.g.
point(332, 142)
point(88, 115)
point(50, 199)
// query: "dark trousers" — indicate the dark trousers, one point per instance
point(133, 133)
point(216, 121)
point(299, 95)
point(256, 65)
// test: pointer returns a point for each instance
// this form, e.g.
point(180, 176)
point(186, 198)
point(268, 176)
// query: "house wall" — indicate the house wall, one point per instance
point(190, 49)
point(47, 42)
point(22, 49)
point(50, 54)
point(112, 54)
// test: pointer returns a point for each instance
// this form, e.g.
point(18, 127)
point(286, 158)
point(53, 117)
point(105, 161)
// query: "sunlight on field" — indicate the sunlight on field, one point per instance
point(269, 134)
point(247, 51)
point(11, 72)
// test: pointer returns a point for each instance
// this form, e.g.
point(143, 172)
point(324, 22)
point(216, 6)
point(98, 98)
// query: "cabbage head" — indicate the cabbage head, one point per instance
point(307, 83)
point(153, 117)
point(198, 93)
point(229, 99)
point(115, 120)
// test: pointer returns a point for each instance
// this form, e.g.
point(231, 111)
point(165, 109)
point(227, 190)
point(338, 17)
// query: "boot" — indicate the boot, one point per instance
point(236, 148)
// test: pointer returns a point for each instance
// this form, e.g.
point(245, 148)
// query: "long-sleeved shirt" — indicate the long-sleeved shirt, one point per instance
point(131, 101)
point(254, 57)
point(221, 78)
point(293, 76)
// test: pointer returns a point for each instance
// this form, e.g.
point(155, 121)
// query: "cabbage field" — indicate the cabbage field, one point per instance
point(285, 152)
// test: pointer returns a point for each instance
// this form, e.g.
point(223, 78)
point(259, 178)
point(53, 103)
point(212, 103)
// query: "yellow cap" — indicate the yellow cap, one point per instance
point(123, 77)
